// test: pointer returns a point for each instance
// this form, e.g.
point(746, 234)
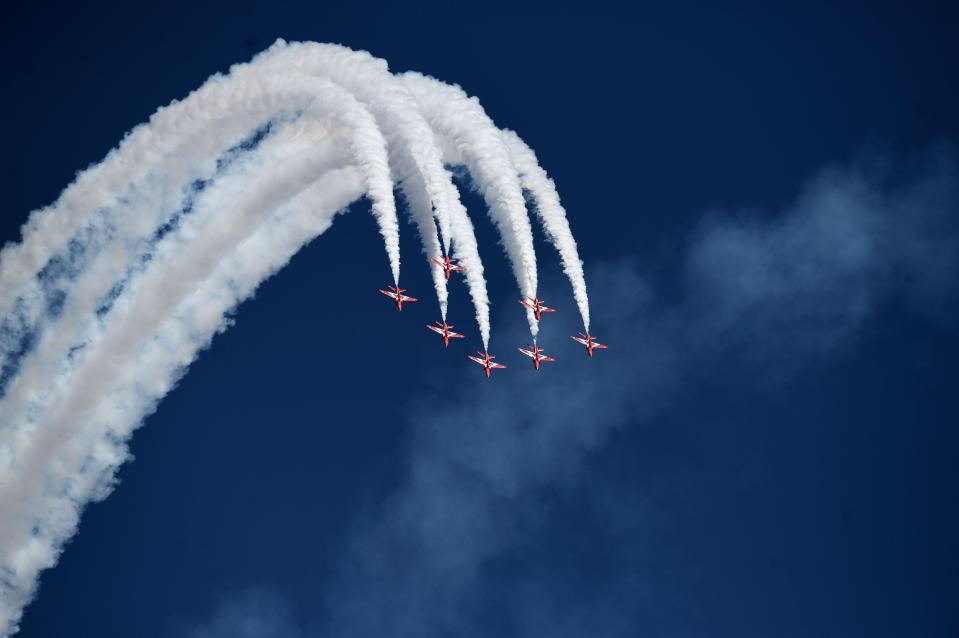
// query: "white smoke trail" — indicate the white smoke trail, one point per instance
point(42, 499)
point(415, 153)
point(90, 288)
point(482, 149)
point(467, 252)
point(180, 145)
point(552, 215)
point(418, 202)
point(211, 228)
point(397, 113)
point(153, 286)
point(182, 259)
point(416, 162)
point(154, 373)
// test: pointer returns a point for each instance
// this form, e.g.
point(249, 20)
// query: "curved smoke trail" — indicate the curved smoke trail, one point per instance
point(483, 151)
point(182, 144)
point(115, 289)
point(417, 160)
point(552, 215)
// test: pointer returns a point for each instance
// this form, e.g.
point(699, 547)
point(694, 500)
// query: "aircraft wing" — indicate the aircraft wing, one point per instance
point(526, 352)
point(456, 335)
point(600, 346)
point(545, 309)
point(578, 340)
point(405, 298)
point(389, 294)
point(435, 329)
point(496, 365)
point(545, 358)
point(476, 359)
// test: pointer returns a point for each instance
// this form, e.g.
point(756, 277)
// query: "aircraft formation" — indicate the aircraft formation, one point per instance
point(485, 359)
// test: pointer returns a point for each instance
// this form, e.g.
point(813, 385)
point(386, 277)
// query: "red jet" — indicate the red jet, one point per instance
point(396, 294)
point(537, 354)
point(588, 341)
point(536, 305)
point(486, 360)
point(446, 331)
point(448, 265)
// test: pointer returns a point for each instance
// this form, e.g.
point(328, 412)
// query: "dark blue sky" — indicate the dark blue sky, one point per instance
point(749, 459)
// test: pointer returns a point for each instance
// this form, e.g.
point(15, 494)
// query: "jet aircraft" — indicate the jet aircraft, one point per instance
point(448, 264)
point(537, 354)
point(396, 294)
point(441, 328)
point(588, 341)
point(536, 305)
point(486, 360)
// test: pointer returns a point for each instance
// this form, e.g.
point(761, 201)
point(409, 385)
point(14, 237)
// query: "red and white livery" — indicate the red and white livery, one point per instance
point(536, 305)
point(445, 331)
point(485, 359)
point(448, 264)
point(536, 354)
point(396, 294)
point(590, 342)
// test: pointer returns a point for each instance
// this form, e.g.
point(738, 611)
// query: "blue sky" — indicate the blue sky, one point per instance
point(766, 202)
